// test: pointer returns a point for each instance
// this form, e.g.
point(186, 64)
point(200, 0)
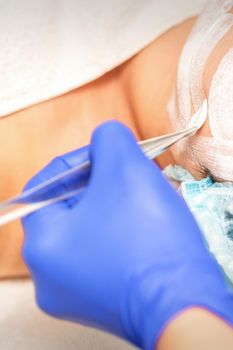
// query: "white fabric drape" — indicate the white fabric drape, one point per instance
point(49, 47)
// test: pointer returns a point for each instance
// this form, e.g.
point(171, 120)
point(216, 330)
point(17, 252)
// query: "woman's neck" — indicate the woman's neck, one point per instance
point(148, 80)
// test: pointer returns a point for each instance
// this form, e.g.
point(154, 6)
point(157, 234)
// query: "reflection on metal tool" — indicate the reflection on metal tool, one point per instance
point(73, 181)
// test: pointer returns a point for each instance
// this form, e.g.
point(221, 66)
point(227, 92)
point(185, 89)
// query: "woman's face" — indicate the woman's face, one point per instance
point(210, 151)
point(205, 71)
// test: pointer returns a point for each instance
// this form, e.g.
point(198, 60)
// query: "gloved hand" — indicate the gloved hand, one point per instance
point(128, 256)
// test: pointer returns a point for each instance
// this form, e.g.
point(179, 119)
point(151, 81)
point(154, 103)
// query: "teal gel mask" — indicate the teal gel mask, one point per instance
point(211, 203)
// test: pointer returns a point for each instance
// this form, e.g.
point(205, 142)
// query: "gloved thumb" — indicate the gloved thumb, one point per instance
point(113, 145)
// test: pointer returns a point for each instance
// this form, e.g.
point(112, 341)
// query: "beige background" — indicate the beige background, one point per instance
point(23, 326)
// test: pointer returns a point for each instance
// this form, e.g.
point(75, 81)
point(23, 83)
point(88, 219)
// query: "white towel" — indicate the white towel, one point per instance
point(50, 47)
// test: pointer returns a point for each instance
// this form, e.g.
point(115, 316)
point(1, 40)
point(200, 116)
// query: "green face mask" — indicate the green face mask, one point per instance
point(211, 203)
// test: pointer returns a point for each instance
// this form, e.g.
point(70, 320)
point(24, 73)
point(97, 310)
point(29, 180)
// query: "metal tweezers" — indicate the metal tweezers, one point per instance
point(73, 181)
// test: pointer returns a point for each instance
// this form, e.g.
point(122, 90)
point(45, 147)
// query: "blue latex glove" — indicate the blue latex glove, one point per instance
point(128, 256)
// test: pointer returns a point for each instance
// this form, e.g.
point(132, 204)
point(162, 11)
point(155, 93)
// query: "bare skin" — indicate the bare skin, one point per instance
point(196, 329)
